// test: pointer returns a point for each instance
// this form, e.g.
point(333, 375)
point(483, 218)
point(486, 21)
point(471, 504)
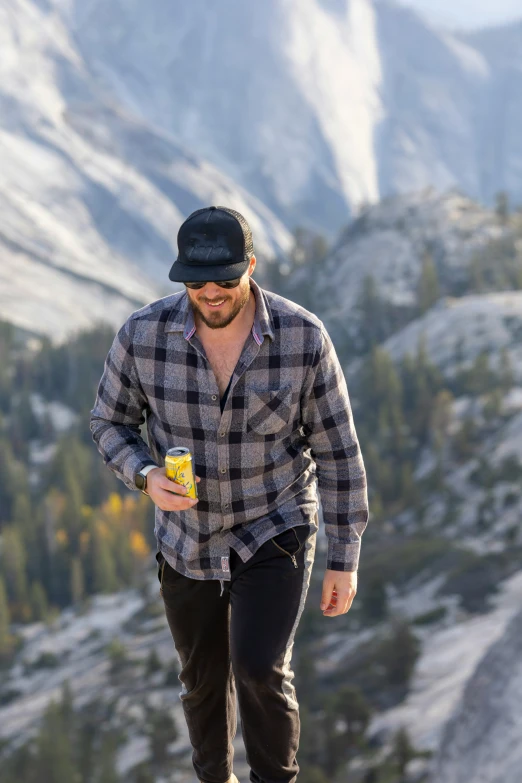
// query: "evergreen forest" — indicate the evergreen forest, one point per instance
point(69, 530)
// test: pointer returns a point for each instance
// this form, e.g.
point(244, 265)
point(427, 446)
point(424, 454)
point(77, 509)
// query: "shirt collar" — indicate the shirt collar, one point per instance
point(181, 318)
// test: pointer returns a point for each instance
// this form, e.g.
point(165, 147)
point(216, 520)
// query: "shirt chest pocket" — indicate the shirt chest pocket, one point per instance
point(270, 411)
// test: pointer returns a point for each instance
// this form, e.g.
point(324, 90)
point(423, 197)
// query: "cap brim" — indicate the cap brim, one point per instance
point(192, 273)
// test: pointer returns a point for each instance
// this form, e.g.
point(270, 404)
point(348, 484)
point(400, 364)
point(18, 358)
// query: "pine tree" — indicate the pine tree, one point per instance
point(20, 766)
point(428, 290)
point(107, 760)
point(441, 418)
point(144, 775)
point(153, 663)
point(67, 707)
point(477, 275)
point(101, 562)
point(372, 314)
point(38, 601)
point(346, 719)
point(307, 685)
point(480, 379)
point(380, 385)
point(77, 581)
point(381, 389)
point(161, 731)
point(55, 760)
point(403, 751)
point(6, 641)
point(118, 658)
point(8, 466)
point(13, 562)
point(92, 718)
point(507, 375)
point(311, 748)
point(28, 426)
point(493, 405)
point(71, 519)
point(502, 207)
point(374, 600)
point(313, 775)
point(465, 439)
point(6, 351)
point(22, 516)
point(399, 653)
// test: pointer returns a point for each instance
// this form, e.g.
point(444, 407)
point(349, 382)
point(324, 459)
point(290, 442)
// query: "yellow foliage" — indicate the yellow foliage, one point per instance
point(85, 537)
point(128, 519)
point(55, 503)
point(62, 537)
point(86, 511)
point(138, 544)
point(102, 529)
point(129, 504)
point(143, 502)
point(113, 507)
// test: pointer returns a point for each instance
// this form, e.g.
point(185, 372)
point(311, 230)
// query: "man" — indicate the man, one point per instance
point(251, 384)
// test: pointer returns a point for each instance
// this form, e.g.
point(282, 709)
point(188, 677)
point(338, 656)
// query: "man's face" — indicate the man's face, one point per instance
point(217, 307)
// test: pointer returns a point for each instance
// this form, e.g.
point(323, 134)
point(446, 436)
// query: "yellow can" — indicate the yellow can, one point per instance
point(178, 468)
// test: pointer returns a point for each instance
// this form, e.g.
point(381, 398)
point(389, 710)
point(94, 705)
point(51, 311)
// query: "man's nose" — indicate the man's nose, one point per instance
point(213, 291)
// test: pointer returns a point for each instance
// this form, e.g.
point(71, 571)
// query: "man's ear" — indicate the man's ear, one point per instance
point(252, 265)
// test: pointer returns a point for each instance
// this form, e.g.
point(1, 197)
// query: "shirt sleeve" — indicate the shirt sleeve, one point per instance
point(118, 412)
point(341, 476)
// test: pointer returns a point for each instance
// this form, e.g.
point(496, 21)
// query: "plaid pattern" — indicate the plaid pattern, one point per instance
point(287, 424)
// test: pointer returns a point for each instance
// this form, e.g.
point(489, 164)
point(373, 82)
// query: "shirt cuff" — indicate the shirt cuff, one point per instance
point(132, 465)
point(342, 556)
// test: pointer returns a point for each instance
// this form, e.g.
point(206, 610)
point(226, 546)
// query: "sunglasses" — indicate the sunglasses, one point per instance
point(221, 283)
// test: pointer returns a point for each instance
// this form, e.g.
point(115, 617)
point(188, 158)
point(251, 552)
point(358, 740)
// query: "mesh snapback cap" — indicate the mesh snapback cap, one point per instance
point(214, 243)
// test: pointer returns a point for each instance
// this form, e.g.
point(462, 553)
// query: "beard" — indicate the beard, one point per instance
point(219, 321)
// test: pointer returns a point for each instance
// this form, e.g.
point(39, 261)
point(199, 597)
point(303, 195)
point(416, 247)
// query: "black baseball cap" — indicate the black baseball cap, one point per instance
point(214, 243)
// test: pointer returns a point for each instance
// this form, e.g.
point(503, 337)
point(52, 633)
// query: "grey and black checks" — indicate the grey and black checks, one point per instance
point(287, 421)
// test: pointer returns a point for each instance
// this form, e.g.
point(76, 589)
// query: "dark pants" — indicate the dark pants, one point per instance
point(242, 639)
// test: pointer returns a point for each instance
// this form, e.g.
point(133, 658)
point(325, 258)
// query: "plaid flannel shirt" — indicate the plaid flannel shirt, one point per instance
point(286, 430)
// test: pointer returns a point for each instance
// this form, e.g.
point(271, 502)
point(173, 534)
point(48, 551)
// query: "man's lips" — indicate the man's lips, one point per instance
point(215, 306)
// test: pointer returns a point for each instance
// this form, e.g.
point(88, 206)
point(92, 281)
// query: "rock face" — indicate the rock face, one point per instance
point(456, 331)
point(481, 742)
point(454, 660)
point(282, 95)
point(452, 107)
point(316, 106)
point(118, 119)
point(91, 197)
point(389, 241)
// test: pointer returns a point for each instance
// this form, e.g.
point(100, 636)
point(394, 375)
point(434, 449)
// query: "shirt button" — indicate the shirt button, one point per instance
point(223, 470)
point(214, 396)
point(221, 434)
point(226, 505)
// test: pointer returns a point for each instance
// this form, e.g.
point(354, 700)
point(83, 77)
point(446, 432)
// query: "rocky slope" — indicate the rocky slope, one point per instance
point(91, 197)
point(481, 742)
point(284, 96)
point(389, 242)
point(316, 106)
point(116, 121)
point(441, 714)
point(457, 330)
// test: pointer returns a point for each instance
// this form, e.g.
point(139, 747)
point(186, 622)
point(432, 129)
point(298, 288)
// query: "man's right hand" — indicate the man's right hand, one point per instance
point(166, 494)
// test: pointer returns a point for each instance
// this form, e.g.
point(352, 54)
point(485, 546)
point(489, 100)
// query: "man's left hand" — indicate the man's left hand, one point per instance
point(339, 589)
